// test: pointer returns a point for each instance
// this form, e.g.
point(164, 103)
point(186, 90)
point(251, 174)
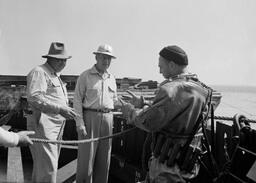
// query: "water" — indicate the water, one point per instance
point(237, 100)
point(234, 100)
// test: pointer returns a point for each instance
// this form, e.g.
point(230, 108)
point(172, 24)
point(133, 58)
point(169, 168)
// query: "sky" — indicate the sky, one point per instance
point(219, 36)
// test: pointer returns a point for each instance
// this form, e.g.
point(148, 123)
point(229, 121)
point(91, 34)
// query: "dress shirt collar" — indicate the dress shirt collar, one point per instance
point(93, 70)
point(182, 76)
point(179, 76)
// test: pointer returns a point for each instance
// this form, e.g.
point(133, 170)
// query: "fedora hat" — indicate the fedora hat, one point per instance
point(57, 50)
point(105, 49)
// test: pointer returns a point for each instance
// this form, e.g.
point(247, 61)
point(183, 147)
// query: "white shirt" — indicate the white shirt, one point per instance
point(94, 90)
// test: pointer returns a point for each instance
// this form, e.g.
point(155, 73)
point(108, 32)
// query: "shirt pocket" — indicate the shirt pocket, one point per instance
point(54, 87)
point(91, 93)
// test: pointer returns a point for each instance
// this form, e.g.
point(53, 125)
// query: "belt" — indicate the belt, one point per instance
point(104, 110)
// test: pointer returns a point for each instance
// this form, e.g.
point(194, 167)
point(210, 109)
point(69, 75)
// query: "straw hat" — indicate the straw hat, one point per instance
point(57, 50)
point(106, 50)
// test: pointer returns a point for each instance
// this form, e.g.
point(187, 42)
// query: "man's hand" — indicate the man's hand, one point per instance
point(118, 104)
point(129, 113)
point(24, 138)
point(81, 131)
point(126, 109)
point(68, 112)
point(135, 100)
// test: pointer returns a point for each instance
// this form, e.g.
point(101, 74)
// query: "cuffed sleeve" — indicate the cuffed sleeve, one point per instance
point(78, 100)
point(8, 139)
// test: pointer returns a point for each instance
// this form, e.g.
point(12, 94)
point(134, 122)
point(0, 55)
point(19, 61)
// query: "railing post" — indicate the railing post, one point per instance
point(14, 165)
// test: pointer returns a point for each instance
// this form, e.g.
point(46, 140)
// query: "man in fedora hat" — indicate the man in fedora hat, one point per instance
point(94, 100)
point(47, 96)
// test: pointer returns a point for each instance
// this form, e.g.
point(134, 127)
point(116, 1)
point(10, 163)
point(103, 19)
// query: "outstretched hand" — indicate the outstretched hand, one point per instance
point(24, 138)
point(122, 101)
point(135, 100)
point(129, 112)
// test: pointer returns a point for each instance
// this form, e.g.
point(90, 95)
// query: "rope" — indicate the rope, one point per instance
point(36, 140)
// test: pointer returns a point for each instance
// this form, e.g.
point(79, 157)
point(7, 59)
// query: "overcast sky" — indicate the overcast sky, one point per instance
point(219, 36)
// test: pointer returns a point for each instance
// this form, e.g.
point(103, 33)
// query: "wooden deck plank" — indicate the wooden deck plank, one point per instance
point(14, 165)
point(66, 171)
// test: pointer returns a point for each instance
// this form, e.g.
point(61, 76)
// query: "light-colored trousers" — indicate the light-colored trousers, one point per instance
point(94, 158)
point(45, 156)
